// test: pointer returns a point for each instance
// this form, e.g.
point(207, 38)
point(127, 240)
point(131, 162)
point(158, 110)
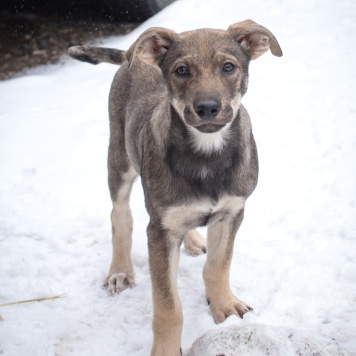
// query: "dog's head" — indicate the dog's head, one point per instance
point(206, 70)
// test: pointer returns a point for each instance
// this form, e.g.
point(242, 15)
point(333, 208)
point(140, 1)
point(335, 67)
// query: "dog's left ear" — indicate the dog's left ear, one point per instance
point(255, 39)
point(151, 46)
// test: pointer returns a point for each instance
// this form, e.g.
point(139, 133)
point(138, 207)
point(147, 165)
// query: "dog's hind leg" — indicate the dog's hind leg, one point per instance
point(121, 274)
point(121, 178)
point(216, 273)
point(194, 243)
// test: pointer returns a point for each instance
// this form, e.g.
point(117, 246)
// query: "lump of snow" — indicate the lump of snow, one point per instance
point(261, 340)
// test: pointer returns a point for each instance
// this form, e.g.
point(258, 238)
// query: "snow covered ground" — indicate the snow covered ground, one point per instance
point(295, 255)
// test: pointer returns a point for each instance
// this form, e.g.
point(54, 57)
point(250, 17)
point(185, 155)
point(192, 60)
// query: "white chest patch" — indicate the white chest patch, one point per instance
point(209, 142)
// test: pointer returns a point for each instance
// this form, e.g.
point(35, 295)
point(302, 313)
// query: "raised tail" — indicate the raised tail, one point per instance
point(96, 55)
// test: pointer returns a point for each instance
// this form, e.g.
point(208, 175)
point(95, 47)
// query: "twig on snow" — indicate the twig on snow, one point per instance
point(32, 300)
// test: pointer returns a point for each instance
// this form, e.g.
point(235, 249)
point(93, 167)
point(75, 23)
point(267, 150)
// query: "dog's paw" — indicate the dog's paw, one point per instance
point(118, 282)
point(194, 243)
point(223, 307)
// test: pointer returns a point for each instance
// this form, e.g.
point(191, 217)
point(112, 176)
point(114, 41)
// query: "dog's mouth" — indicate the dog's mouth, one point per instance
point(209, 127)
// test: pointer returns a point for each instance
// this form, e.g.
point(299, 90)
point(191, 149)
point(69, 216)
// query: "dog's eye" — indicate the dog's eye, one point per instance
point(228, 67)
point(182, 70)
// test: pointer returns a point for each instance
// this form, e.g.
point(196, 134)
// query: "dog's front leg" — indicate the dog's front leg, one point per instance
point(167, 310)
point(216, 273)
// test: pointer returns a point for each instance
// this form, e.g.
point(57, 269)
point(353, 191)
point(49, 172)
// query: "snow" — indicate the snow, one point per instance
point(295, 255)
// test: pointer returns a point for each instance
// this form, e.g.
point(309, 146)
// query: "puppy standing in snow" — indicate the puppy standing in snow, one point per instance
point(176, 120)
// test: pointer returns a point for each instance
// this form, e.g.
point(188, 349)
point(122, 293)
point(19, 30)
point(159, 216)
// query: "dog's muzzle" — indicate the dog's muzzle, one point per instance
point(208, 110)
point(209, 127)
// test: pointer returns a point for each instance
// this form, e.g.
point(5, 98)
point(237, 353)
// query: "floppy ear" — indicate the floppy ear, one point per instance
point(255, 39)
point(151, 46)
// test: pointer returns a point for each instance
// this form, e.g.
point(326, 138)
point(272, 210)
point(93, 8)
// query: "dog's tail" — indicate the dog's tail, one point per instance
point(96, 55)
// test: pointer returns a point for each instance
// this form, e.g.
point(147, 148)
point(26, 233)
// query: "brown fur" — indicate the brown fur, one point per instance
point(176, 120)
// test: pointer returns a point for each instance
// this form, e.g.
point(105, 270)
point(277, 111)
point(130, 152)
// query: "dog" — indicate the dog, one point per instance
point(176, 120)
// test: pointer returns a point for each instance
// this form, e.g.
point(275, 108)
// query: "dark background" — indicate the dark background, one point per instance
point(38, 32)
point(126, 10)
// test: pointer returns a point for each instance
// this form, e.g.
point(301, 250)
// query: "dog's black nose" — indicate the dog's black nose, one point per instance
point(207, 109)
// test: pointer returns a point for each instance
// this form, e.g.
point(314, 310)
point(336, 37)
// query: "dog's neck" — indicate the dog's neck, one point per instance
point(202, 163)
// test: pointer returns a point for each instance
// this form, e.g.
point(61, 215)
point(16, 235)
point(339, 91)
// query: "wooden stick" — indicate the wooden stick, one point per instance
point(32, 300)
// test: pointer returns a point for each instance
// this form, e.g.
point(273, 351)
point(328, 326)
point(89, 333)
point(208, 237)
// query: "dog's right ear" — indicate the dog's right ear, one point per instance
point(151, 46)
